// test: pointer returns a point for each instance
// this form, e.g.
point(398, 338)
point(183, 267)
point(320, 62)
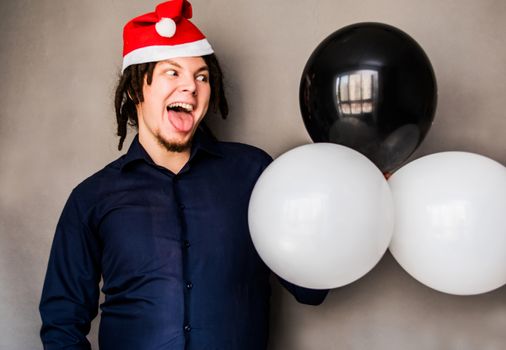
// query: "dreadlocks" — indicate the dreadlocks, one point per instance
point(129, 93)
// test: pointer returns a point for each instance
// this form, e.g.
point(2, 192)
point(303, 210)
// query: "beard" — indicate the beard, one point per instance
point(170, 146)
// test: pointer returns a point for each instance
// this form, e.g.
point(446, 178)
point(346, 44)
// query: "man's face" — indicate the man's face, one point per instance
point(174, 103)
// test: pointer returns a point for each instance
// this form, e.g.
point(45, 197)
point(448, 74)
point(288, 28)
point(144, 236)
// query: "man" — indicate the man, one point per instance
point(164, 226)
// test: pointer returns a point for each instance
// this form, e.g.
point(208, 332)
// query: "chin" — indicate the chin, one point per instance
point(173, 145)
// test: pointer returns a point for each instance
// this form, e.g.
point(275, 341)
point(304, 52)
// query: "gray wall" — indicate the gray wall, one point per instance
point(59, 60)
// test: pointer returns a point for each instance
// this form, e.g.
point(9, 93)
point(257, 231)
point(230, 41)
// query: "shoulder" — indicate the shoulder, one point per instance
point(244, 153)
point(241, 161)
point(98, 184)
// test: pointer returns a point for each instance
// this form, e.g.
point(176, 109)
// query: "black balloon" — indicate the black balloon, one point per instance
point(370, 87)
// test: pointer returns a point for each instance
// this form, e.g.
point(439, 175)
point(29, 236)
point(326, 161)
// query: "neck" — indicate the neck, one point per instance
point(173, 161)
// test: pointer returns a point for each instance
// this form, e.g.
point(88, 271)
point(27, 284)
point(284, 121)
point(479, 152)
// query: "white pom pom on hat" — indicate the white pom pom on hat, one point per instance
point(163, 34)
point(166, 27)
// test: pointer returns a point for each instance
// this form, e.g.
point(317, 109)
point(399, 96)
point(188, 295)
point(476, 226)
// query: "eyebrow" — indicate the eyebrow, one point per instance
point(175, 64)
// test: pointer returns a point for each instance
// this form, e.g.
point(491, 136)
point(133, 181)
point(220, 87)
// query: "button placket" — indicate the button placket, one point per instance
point(186, 244)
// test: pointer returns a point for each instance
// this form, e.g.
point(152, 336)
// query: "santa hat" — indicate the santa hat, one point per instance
point(163, 34)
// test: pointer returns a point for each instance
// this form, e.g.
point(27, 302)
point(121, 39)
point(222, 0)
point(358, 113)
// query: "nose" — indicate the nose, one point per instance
point(187, 84)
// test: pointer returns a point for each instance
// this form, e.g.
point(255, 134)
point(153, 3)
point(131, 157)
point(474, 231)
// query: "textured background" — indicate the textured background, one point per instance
point(59, 61)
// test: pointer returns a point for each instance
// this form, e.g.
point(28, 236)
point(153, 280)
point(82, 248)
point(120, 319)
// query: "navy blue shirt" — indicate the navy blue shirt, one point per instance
point(178, 265)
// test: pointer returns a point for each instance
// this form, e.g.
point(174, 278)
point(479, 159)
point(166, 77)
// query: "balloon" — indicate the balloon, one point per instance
point(320, 215)
point(450, 229)
point(371, 87)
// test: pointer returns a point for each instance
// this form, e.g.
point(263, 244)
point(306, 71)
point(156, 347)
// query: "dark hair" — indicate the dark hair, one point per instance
point(129, 93)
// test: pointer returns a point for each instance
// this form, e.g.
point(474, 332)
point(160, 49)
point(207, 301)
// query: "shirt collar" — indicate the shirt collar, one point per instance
point(202, 142)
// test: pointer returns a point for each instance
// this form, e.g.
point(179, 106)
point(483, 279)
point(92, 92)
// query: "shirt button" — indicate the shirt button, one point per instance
point(187, 328)
point(189, 285)
point(186, 243)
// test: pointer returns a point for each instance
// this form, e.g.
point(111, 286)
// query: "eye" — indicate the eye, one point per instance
point(171, 72)
point(202, 77)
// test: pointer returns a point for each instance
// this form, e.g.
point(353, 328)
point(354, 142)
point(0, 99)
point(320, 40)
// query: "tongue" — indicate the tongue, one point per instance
point(181, 121)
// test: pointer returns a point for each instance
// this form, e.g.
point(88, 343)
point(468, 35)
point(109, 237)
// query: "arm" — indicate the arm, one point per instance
point(305, 295)
point(70, 295)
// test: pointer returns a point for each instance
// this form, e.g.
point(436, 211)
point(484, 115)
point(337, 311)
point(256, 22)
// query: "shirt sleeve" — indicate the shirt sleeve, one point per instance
point(70, 294)
point(305, 295)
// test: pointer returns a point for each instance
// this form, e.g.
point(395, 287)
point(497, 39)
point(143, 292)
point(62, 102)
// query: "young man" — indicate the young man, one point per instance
point(164, 226)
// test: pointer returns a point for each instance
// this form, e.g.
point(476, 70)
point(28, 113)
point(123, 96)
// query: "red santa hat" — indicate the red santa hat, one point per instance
point(163, 34)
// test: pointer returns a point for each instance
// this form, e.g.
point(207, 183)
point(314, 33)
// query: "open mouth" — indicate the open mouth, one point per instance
point(180, 116)
point(180, 107)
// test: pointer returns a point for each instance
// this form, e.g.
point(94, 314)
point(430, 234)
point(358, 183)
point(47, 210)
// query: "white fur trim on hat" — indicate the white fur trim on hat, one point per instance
point(165, 52)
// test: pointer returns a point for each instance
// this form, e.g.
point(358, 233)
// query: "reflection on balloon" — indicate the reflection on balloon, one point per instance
point(398, 145)
point(320, 215)
point(450, 230)
point(365, 83)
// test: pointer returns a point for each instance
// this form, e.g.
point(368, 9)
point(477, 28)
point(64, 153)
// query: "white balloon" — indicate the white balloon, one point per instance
point(450, 229)
point(320, 215)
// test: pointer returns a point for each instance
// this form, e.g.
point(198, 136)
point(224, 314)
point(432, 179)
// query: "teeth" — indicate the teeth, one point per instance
point(186, 106)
